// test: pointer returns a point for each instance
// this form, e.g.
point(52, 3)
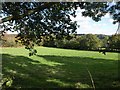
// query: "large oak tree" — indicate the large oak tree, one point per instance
point(34, 20)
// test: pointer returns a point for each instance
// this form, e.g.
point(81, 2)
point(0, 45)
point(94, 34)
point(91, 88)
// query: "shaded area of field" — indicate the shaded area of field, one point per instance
point(55, 71)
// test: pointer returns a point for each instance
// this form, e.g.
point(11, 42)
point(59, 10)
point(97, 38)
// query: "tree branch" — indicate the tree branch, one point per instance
point(29, 12)
point(118, 29)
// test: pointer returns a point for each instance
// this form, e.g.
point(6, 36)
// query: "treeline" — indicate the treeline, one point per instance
point(88, 41)
point(82, 42)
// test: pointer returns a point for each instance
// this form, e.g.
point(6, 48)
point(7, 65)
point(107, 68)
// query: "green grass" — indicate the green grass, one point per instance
point(59, 68)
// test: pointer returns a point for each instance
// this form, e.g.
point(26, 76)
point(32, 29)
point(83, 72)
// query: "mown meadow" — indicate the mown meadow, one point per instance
point(59, 68)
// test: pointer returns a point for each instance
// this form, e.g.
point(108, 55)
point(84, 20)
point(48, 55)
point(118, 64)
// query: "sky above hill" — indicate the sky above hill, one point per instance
point(87, 25)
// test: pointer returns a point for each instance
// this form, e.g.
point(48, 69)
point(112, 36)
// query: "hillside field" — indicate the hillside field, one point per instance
point(60, 68)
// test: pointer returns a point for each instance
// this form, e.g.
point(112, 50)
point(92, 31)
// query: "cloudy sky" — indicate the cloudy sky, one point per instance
point(87, 25)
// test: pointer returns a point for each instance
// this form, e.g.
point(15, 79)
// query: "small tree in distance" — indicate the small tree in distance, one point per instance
point(90, 42)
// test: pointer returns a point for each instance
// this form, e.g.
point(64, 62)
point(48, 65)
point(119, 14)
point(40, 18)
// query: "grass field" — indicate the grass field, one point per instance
point(60, 68)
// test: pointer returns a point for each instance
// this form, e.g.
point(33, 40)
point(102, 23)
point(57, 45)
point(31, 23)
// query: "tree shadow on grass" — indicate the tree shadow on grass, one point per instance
point(47, 71)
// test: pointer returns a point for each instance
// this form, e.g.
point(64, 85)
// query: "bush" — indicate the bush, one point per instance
point(114, 42)
point(90, 42)
point(8, 41)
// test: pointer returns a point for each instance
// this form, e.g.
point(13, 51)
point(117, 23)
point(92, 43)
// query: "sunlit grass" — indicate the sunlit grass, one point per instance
point(60, 68)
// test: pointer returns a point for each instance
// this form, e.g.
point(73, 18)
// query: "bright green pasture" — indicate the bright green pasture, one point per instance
point(60, 68)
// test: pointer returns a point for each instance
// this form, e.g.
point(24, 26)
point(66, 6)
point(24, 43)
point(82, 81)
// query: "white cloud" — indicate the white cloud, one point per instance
point(111, 20)
point(87, 25)
point(79, 16)
point(9, 32)
point(107, 15)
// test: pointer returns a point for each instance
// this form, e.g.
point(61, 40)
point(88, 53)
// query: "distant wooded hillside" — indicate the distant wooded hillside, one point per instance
point(79, 41)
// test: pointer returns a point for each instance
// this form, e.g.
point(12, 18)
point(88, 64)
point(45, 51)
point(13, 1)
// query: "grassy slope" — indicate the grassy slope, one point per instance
point(60, 68)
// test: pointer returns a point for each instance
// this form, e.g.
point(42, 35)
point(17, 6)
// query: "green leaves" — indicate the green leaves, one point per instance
point(115, 42)
point(36, 19)
point(6, 82)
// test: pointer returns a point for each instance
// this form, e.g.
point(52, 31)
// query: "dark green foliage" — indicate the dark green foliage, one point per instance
point(114, 11)
point(74, 43)
point(48, 41)
point(86, 42)
point(33, 20)
point(53, 19)
point(90, 42)
point(104, 39)
point(114, 42)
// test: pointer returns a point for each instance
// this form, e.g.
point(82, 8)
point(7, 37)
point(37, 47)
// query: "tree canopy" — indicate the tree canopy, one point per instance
point(33, 20)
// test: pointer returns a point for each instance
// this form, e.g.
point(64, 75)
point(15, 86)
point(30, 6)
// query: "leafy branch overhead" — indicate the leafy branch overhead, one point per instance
point(33, 20)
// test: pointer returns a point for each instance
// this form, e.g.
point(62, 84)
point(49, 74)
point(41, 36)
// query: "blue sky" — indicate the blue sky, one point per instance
point(87, 25)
